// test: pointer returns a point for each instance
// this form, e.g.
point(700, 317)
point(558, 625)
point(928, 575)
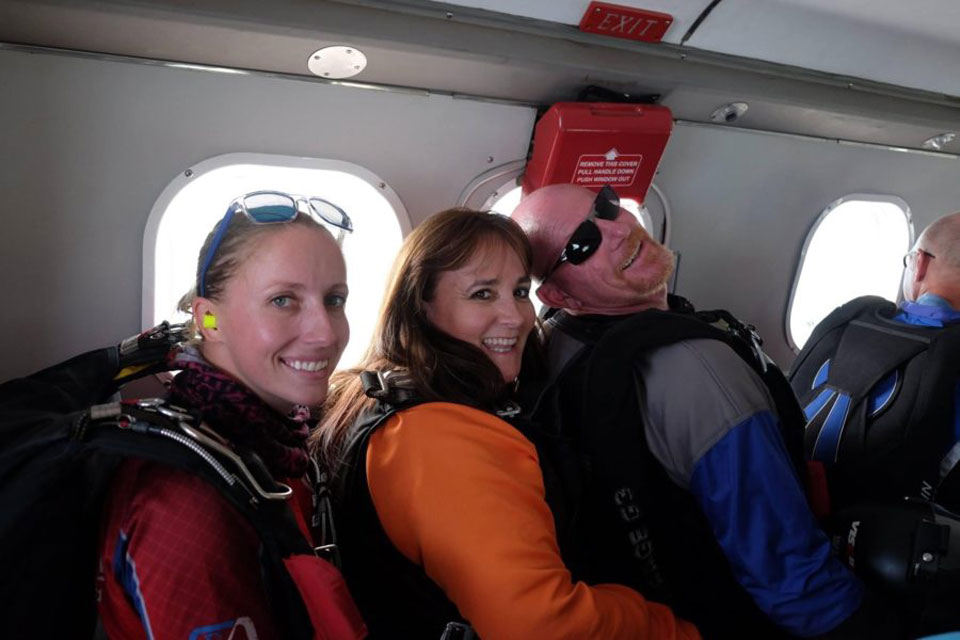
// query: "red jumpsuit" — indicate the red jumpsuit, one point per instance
point(178, 561)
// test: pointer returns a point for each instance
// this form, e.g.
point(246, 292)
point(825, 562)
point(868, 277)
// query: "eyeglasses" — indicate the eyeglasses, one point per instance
point(586, 238)
point(910, 253)
point(272, 207)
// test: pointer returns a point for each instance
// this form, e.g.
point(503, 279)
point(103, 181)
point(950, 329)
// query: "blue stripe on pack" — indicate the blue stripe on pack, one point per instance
point(822, 374)
point(828, 441)
point(212, 630)
point(818, 403)
point(882, 393)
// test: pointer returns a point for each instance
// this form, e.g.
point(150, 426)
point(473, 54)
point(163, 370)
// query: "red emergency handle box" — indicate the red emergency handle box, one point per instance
point(595, 144)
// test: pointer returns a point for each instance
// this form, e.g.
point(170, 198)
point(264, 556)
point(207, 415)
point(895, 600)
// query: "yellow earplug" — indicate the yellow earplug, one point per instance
point(209, 321)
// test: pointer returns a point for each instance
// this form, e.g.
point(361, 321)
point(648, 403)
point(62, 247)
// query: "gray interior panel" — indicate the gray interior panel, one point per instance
point(88, 146)
point(742, 204)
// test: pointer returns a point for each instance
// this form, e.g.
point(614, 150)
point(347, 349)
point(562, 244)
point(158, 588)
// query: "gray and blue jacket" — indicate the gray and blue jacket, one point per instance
point(685, 440)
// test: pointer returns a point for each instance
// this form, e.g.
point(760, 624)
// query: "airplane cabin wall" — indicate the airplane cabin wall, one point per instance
point(89, 144)
point(743, 202)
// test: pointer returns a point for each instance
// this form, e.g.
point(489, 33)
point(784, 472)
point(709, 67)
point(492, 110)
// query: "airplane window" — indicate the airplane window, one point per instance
point(853, 250)
point(201, 199)
point(506, 199)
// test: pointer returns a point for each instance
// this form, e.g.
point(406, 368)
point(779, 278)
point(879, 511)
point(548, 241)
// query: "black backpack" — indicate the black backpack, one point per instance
point(874, 450)
point(631, 524)
point(58, 451)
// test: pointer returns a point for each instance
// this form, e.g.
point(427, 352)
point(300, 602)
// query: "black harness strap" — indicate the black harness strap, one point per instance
point(57, 458)
point(837, 318)
point(636, 527)
point(863, 364)
point(395, 596)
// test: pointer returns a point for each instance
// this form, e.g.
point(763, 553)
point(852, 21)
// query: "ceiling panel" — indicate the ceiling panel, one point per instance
point(571, 11)
point(911, 44)
point(412, 45)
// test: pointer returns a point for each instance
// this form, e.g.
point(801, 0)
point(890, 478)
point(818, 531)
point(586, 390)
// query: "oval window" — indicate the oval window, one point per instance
point(198, 198)
point(853, 250)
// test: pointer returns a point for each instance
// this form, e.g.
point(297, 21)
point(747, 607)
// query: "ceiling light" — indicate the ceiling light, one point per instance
point(337, 62)
point(938, 142)
point(729, 113)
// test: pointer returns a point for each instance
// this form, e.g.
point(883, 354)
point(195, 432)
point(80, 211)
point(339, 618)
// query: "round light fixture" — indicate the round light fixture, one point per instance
point(938, 142)
point(337, 62)
point(729, 113)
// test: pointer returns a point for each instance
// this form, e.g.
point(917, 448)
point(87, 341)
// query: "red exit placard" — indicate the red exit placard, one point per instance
point(625, 22)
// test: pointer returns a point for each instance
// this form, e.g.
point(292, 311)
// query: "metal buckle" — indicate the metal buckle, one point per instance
point(375, 384)
point(509, 410)
point(326, 551)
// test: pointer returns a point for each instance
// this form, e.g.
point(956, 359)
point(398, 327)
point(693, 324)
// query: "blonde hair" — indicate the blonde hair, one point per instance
point(237, 243)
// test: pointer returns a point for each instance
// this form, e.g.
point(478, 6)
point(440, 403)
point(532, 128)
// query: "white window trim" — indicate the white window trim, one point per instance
point(868, 197)
point(217, 162)
point(478, 193)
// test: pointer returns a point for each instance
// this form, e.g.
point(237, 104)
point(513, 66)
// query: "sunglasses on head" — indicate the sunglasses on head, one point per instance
point(586, 238)
point(272, 207)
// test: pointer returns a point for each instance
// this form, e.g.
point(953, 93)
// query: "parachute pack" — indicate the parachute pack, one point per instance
point(878, 396)
point(60, 442)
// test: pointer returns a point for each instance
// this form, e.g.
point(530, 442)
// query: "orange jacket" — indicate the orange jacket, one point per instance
point(460, 493)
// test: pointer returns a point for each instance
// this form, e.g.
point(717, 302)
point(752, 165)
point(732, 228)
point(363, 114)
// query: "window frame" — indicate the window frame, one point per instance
point(204, 167)
point(811, 233)
point(481, 192)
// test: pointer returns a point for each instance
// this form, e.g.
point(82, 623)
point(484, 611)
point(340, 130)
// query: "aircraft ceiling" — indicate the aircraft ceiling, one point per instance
point(872, 71)
point(911, 44)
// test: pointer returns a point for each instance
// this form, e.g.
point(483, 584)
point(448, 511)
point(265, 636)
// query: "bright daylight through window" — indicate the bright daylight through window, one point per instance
point(855, 250)
point(369, 250)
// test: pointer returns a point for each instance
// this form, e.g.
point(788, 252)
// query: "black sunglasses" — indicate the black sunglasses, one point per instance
point(586, 238)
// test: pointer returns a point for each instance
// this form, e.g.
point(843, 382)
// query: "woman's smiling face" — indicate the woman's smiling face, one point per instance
point(281, 323)
point(486, 303)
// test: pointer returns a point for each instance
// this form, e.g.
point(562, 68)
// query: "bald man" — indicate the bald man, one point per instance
point(879, 386)
point(692, 497)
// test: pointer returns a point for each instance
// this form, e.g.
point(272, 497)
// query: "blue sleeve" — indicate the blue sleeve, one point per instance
point(750, 494)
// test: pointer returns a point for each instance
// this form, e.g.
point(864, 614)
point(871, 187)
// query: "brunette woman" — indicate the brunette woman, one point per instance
point(442, 515)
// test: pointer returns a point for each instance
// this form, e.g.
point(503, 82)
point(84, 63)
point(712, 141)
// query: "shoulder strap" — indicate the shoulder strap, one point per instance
point(156, 431)
point(54, 481)
point(388, 587)
point(651, 329)
point(58, 453)
point(837, 318)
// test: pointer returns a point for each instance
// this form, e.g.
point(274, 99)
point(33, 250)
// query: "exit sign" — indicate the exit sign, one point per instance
point(625, 22)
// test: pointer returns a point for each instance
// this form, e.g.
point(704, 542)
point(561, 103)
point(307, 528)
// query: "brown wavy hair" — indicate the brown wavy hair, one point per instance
point(442, 367)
